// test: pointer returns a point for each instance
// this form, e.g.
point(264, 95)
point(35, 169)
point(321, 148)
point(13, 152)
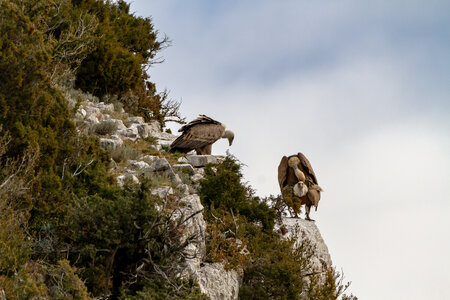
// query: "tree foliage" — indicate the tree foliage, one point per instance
point(240, 235)
point(67, 231)
point(223, 191)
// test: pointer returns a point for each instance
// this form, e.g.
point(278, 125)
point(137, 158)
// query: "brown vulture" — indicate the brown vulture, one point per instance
point(298, 183)
point(199, 135)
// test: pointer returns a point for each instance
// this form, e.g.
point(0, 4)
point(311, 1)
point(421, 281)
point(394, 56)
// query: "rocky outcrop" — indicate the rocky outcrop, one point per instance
point(111, 143)
point(199, 161)
point(218, 283)
point(181, 181)
point(303, 230)
point(128, 128)
point(213, 279)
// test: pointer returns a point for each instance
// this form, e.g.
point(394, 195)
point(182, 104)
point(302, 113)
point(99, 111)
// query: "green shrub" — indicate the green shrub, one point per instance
point(105, 127)
point(45, 281)
point(124, 153)
point(122, 241)
point(276, 269)
point(223, 191)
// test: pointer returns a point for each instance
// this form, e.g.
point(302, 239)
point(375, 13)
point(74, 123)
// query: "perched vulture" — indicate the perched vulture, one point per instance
point(199, 135)
point(298, 183)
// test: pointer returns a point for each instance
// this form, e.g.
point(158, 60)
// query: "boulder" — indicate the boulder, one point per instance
point(183, 160)
point(143, 130)
point(149, 158)
point(111, 143)
point(81, 113)
point(183, 188)
point(91, 110)
point(162, 192)
point(138, 165)
point(119, 124)
point(156, 147)
point(201, 160)
point(154, 127)
point(164, 138)
point(135, 120)
point(106, 107)
point(92, 119)
point(127, 178)
point(129, 133)
point(196, 178)
point(160, 164)
point(176, 179)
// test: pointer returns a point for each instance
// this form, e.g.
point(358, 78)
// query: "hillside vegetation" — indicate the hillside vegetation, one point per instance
point(67, 229)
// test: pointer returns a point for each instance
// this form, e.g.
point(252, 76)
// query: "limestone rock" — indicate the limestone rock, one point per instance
point(213, 279)
point(111, 143)
point(143, 130)
point(164, 138)
point(135, 120)
point(182, 160)
point(92, 119)
point(193, 226)
point(103, 106)
point(218, 283)
point(154, 127)
point(201, 160)
point(91, 110)
point(156, 147)
point(176, 179)
point(129, 133)
point(160, 164)
point(183, 188)
point(138, 165)
point(302, 229)
point(119, 124)
point(149, 158)
point(196, 178)
point(81, 113)
point(122, 179)
point(162, 192)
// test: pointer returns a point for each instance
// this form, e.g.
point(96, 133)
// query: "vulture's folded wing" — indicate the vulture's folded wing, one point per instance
point(198, 136)
point(282, 171)
point(202, 119)
point(307, 166)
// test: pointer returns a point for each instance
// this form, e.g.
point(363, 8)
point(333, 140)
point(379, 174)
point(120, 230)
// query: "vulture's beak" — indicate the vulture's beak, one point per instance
point(230, 141)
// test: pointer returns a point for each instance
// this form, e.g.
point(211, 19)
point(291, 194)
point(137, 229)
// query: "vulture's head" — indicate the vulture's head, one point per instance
point(293, 163)
point(229, 135)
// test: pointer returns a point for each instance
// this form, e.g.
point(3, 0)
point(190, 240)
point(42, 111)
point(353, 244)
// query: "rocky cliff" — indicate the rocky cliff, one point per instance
point(180, 180)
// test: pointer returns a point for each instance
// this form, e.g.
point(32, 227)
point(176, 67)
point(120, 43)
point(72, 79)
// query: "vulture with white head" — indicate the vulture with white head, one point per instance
point(199, 135)
point(298, 183)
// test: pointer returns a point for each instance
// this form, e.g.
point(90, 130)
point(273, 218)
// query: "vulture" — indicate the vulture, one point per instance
point(298, 183)
point(199, 135)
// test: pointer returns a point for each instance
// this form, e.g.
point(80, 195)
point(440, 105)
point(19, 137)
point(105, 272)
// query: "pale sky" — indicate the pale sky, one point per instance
point(362, 89)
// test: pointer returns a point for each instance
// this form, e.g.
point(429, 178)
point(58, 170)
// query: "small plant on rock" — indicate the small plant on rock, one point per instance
point(105, 127)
